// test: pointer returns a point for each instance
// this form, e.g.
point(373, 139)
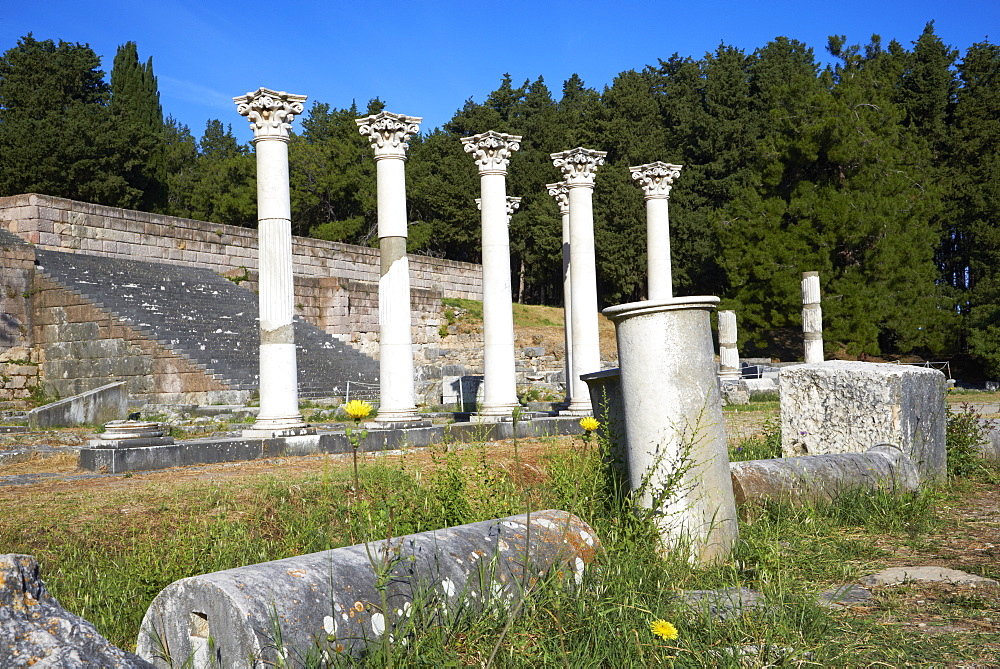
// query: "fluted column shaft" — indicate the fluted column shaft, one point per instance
point(271, 114)
point(389, 136)
point(656, 180)
point(586, 338)
point(492, 151)
point(812, 317)
point(579, 167)
point(729, 357)
point(396, 372)
point(561, 193)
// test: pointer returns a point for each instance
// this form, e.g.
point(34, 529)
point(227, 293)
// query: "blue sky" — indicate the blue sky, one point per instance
point(426, 58)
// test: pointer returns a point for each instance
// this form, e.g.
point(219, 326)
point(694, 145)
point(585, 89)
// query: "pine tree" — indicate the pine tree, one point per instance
point(333, 177)
point(222, 186)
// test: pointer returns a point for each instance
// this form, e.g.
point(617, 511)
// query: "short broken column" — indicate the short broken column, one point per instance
point(729, 357)
point(842, 406)
point(813, 478)
point(579, 167)
point(656, 180)
point(331, 600)
point(812, 317)
point(492, 151)
point(560, 191)
point(389, 135)
point(677, 454)
point(271, 114)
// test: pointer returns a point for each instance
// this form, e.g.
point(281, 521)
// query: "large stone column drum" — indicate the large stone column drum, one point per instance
point(677, 456)
point(271, 114)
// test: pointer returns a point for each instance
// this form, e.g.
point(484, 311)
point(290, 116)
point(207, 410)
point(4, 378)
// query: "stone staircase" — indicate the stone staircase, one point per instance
point(205, 318)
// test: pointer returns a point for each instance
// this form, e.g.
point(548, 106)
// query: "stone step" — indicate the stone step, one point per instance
point(204, 318)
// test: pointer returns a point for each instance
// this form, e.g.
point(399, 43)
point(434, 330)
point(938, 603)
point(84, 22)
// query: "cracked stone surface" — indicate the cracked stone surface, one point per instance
point(36, 631)
point(894, 575)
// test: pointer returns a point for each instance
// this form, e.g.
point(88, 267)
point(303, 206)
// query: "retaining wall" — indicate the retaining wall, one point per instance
point(64, 225)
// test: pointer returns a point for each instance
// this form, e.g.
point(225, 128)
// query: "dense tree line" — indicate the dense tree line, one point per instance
point(880, 171)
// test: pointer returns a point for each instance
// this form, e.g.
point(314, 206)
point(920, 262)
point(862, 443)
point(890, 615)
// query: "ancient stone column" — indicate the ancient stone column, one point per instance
point(560, 191)
point(389, 135)
point(579, 167)
point(729, 357)
point(271, 114)
point(812, 317)
point(492, 151)
point(677, 455)
point(656, 179)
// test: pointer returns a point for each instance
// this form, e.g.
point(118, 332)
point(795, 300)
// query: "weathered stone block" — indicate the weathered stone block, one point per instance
point(37, 631)
point(848, 407)
point(96, 406)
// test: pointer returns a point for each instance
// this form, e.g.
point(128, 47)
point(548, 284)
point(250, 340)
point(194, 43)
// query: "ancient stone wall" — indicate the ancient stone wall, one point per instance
point(17, 268)
point(60, 224)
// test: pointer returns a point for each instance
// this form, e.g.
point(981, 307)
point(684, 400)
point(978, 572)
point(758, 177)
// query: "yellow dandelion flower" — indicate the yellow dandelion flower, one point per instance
point(589, 423)
point(357, 409)
point(663, 629)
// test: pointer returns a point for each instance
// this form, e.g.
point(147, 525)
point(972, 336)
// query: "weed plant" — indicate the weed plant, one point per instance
point(966, 431)
point(106, 563)
point(762, 446)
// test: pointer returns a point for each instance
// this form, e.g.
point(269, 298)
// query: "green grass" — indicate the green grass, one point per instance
point(107, 565)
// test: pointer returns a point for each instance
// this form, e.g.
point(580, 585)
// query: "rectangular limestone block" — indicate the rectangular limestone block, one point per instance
point(840, 406)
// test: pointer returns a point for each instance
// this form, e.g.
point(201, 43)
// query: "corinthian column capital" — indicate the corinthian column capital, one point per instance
point(656, 179)
point(579, 165)
point(560, 191)
point(513, 204)
point(388, 133)
point(270, 112)
point(492, 150)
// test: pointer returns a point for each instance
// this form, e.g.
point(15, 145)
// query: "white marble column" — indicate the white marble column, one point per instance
point(579, 167)
point(656, 179)
point(560, 191)
point(729, 357)
point(676, 442)
point(389, 135)
point(271, 114)
point(492, 151)
point(812, 317)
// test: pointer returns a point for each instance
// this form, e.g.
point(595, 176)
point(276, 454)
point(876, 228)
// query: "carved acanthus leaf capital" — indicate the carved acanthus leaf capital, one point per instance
point(513, 204)
point(656, 179)
point(270, 112)
point(579, 165)
point(492, 150)
point(560, 191)
point(389, 133)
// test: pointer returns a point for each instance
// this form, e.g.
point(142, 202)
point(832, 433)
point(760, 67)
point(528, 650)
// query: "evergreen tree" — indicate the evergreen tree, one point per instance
point(138, 117)
point(974, 238)
point(55, 133)
point(222, 187)
point(333, 177)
